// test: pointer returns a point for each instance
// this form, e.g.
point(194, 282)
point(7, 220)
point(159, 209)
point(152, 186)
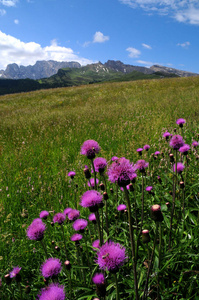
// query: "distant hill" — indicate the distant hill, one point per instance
point(41, 69)
point(75, 75)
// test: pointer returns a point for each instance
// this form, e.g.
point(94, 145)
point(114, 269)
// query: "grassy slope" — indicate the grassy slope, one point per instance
point(42, 131)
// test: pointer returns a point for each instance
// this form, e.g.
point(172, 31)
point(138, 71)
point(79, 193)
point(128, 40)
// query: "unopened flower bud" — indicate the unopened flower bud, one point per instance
point(102, 186)
point(57, 248)
point(171, 157)
point(156, 213)
point(105, 196)
point(27, 289)
point(7, 279)
point(145, 236)
point(182, 184)
point(67, 264)
point(131, 188)
point(87, 173)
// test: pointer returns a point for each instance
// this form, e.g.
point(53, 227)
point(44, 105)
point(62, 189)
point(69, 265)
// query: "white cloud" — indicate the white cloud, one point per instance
point(2, 12)
point(146, 46)
point(13, 50)
point(182, 10)
point(100, 38)
point(133, 52)
point(16, 21)
point(8, 2)
point(184, 45)
point(146, 63)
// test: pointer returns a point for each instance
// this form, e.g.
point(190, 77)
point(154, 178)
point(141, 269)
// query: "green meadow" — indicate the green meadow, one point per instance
point(41, 134)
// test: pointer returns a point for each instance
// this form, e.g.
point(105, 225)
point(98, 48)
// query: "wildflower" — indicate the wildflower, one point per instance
point(180, 167)
point(59, 218)
point(71, 174)
point(149, 188)
point(121, 207)
point(36, 230)
point(51, 267)
point(76, 237)
point(44, 214)
point(91, 199)
point(166, 135)
point(111, 256)
point(92, 218)
point(15, 272)
point(67, 210)
point(176, 142)
point(141, 165)
point(52, 292)
point(73, 214)
point(195, 144)
point(146, 147)
point(139, 150)
point(96, 244)
point(99, 280)
point(180, 122)
point(91, 182)
point(184, 149)
point(100, 164)
point(145, 236)
point(87, 172)
point(114, 158)
point(156, 213)
point(67, 264)
point(80, 225)
point(90, 148)
point(121, 171)
point(157, 153)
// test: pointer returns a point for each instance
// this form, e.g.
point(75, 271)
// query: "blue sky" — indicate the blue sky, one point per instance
point(136, 32)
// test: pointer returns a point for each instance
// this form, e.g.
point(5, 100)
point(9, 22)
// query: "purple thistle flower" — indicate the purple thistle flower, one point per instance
point(73, 214)
point(157, 153)
point(36, 230)
point(195, 144)
point(114, 158)
point(166, 135)
point(176, 142)
point(96, 244)
point(76, 237)
point(111, 256)
point(146, 147)
point(121, 207)
point(98, 279)
point(51, 267)
point(91, 182)
point(92, 217)
point(180, 122)
point(139, 150)
point(184, 149)
point(80, 225)
point(149, 188)
point(44, 214)
point(100, 164)
point(180, 167)
point(15, 272)
point(121, 171)
point(91, 199)
point(52, 292)
point(67, 210)
point(71, 174)
point(90, 148)
point(141, 165)
point(59, 218)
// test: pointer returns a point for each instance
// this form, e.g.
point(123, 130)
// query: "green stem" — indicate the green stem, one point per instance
point(117, 287)
point(159, 258)
point(132, 243)
point(99, 228)
point(92, 163)
point(64, 239)
point(44, 247)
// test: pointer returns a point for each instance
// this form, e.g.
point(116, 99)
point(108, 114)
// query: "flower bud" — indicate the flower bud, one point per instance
point(105, 196)
point(145, 236)
point(156, 213)
point(87, 173)
point(67, 264)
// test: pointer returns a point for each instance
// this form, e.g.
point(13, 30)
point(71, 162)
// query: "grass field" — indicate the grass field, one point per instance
point(40, 140)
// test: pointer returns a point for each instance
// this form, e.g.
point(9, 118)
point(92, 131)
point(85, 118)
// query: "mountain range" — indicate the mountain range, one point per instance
point(52, 74)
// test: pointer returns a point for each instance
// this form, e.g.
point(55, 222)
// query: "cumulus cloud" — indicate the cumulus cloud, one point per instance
point(2, 12)
point(184, 45)
point(133, 52)
point(182, 10)
point(13, 50)
point(100, 38)
point(146, 46)
point(8, 2)
point(146, 63)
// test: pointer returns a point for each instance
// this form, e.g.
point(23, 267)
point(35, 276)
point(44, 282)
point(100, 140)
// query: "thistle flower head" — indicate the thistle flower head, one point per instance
point(71, 174)
point(52, 292)
point(141, 165)
point(92, 217)
point(44, 214)
point(15, 272)
point(149, 188)
point(121, 207)
point(166, 135)
point(176, 142)
point(91, 182)
point(76, 237)
point(111, 256)
point(121, 171)
point(98, 279)
point(195, 144)
point(180, 122)
point(180, 167)
point(59, 218)
point(146, 147)
point(100, 164)
point(91, 199)
point(96, 244)
point(90, 148)
point(184, 149)
point(157, 153)
point(73, 214)
point(67, 210)
point(51, 267)
point(156, 213)
point(114, 158)
point(80, 225)
point(36, 230)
